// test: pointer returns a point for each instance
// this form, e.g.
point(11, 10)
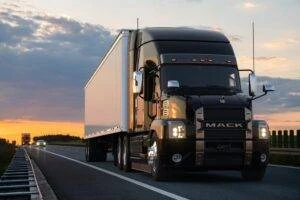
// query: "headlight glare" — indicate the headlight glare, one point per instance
point(263, 133)
point(176, 129)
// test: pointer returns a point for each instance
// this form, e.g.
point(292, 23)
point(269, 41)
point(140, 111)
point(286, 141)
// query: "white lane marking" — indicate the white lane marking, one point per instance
point(284, 166)
point(144, 185)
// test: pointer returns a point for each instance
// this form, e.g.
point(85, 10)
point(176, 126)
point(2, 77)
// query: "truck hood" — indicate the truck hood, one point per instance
point(220, 101)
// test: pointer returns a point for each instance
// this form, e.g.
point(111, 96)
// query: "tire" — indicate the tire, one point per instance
point(126, 154)
point(94, 151)
point(89, 154)
point(252, 174)
point(157, 170)
point(115, 151)
point(120, 152)
point(100, 153)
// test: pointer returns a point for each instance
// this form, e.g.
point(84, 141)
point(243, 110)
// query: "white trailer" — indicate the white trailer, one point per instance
point(106, 93)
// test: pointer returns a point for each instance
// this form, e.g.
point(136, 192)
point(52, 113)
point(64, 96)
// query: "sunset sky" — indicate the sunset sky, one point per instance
point(49, 49)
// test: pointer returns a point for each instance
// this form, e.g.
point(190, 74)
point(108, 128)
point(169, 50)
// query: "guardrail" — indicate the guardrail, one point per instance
point(285, 138)
point(18, 181)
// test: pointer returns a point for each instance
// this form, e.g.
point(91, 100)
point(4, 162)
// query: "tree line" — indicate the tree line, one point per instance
point(57, 138)
point(7, 151)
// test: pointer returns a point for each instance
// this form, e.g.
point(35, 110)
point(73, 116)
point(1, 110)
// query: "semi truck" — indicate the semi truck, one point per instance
point(25, 139)
point(168, 100)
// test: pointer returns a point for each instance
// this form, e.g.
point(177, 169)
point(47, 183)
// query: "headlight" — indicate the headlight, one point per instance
point(176, 129)
point(263, 132)
point(44, 143)
point(38, 143)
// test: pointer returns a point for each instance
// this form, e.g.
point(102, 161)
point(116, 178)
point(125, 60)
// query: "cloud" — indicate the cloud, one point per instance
point(180, 1)
point(282, 43)
point(274, 66)
point(285, 98)
point(44, 63)
point(46, 60)
point(249, 5)
point(294, 93)
point(235, 38)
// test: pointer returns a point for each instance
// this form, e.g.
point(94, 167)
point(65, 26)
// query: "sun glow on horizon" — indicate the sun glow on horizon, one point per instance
point(12, 129)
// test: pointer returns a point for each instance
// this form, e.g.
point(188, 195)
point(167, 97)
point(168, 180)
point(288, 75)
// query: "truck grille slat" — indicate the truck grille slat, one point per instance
point(224, 115)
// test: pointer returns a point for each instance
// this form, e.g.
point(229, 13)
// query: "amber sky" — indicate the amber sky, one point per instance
point(49, 49)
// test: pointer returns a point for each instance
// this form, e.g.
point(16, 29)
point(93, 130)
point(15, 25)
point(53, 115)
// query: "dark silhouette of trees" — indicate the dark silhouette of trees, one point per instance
point(58, 138)
point(7, 151)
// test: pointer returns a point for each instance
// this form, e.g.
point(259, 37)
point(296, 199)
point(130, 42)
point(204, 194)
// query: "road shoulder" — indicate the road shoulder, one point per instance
point(45, 188)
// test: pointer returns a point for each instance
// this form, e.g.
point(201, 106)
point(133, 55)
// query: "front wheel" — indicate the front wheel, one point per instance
point(252, 174)
point(120, 152)
point(126, 154)
point(158, 172)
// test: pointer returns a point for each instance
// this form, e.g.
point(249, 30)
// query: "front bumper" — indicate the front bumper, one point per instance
point(212, 158)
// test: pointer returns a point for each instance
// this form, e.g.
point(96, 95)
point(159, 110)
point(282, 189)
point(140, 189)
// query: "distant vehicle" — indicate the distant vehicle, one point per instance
point(41, 143)
point(171, 98)
point(25, 139)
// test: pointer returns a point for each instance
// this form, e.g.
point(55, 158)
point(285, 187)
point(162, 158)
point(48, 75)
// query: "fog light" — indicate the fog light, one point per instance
point(177, 158)
point(263, 157)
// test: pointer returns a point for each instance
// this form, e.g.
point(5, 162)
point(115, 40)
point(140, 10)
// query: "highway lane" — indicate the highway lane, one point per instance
point(73, 180)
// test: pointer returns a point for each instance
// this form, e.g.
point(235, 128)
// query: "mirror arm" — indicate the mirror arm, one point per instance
point(246, 70)
point(253, 98)
point(140, 95)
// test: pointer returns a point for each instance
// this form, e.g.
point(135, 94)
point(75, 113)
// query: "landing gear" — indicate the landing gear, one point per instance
point(253, 174)
point(95, 151)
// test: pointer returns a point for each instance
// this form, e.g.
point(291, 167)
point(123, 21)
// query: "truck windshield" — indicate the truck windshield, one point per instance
point(195, 79)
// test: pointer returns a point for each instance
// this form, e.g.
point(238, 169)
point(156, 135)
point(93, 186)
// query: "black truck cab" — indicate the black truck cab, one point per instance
point(191, 102)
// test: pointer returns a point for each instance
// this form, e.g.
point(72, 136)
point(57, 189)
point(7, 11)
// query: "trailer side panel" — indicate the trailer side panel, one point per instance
point(106, 93)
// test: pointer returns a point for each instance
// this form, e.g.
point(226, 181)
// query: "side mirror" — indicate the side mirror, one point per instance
point(173, 84)
point(252, 84)
point(268, 88)
point(137, 82)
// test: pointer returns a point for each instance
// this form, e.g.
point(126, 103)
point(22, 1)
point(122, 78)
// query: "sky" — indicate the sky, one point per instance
point(50, 48)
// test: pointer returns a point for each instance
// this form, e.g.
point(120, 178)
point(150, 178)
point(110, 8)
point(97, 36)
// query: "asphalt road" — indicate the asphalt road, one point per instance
point(72, 178)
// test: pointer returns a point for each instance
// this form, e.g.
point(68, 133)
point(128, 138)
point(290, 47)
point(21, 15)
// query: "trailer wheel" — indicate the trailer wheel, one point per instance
point(126, 154)
point(115, 151)
point(100, 152)
point(252, 174)
point(89, 154)
point(120, 152)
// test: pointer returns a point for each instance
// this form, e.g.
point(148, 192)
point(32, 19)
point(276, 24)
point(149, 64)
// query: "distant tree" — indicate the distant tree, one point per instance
point(7, 151)
point(57, 138)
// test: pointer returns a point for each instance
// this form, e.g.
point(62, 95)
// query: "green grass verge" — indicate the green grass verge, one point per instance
point(282, 159)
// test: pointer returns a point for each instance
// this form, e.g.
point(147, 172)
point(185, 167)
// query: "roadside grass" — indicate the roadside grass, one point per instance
point(6, 153)
point(282, 159)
